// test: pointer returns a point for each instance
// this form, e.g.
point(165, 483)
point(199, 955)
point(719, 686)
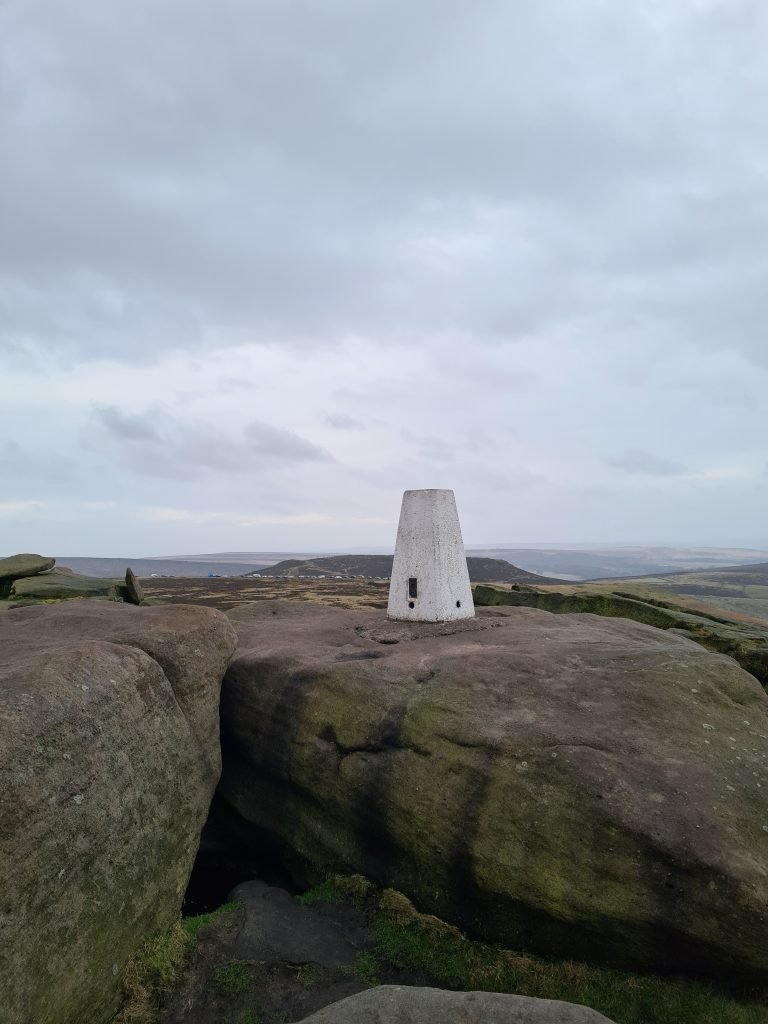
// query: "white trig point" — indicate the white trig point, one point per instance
point(430, 580)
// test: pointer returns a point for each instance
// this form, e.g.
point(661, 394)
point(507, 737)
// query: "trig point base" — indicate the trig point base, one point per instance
point(430, 580)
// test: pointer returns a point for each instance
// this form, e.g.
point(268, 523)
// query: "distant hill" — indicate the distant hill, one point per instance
point(481, 570)
point(742, 589)
point(144, 567)
point(749, 575)
point(621, 561)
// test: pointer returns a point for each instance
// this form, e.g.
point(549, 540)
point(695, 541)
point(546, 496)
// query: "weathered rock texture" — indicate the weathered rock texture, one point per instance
point(133, 592)
point(572, 785)
point(62, 585)
point(275, 927)
point(302, 958)
point(109, 756)
point(32, 579)
point(745, 642)
point(399, 1004)
point(16, 567)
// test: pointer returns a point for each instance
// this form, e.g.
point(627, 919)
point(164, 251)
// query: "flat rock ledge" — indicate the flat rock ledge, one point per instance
point(16, 567)
point(573, 785)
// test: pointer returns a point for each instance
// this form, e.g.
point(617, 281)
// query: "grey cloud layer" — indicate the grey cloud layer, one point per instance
point(169, 447)
point(282, 259)
point(638, 461)
point(298, 171)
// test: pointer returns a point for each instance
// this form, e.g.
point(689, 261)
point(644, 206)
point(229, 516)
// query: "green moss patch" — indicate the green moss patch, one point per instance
point(192, 925)
point(408, 940)
point(233, 978)
point(155, 970)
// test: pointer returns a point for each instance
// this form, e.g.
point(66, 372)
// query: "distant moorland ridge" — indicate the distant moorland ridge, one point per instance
point(481, 570)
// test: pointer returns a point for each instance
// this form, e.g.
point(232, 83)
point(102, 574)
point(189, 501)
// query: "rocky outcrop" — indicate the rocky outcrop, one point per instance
point(109, 756)
point(407, 1005)
point(16, 567)
point(583, 787)
point(745, 642)
point(133, 592)
point(32, 579)
point(60, 585)
point(287, 958)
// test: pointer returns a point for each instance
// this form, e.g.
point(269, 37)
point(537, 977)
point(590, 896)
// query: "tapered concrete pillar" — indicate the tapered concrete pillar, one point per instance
point(430, 581)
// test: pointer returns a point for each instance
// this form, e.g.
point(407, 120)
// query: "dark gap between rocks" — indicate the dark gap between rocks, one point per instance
point(224, 861)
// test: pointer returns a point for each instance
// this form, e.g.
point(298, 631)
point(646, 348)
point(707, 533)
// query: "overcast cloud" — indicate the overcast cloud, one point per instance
point(266, 263)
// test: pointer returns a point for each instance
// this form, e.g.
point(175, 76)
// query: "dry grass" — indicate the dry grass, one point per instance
point(156, 968)
point(228, 594)
point(398, 908)
point(152, 973)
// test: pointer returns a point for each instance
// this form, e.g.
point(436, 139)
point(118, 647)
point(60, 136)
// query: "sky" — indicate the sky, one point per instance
point(264, 264)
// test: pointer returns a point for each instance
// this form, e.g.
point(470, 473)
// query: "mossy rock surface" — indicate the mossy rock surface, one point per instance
point(577, 786)
point(16, 567)
point(109, 757)
point(60, 586)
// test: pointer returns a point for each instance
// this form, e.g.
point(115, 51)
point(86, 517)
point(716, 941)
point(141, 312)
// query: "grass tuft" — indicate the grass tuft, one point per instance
point(368, 968)
point(397, 907)
point(192, 925)
point(233, 978)
point(150, 975)
point(407, 939)
point(339, 889)
point(326, 892)
point(309, 975)
point(152, 972)
point(248, 1017)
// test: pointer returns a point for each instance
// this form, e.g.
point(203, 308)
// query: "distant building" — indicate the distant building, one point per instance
point(430, 580)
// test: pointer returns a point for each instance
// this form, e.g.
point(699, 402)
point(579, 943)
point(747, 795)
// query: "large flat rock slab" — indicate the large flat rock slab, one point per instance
point(17, 567)
point(399, 1004)
point(578, 786)
point(61, 585)
point(109, 757)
